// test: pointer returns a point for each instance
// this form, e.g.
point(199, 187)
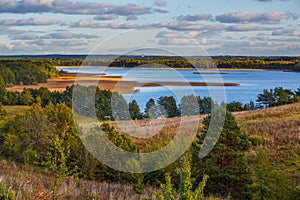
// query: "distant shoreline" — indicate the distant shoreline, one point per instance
point(113, 83)
point(161, 68)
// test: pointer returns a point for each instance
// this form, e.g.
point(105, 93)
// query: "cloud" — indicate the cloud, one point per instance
point(115, 25)
point(287, 32)
point(7, 45)
point(29, 36)
point(169, 34)
point(175, 25)
point(56, 43)
point(252, 17)
point(160, 11)
point(249, 27)
point(70, 7)
point(189, 26)
point(29, 22)
point(68, 35)
point(106, 17)
point(194, 18)
point(160, 3)
point(271, 39)
point(255, 48)
point(131, 18)
point(4, 30)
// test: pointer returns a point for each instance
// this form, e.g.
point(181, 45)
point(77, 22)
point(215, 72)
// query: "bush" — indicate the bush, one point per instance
point(6, 194)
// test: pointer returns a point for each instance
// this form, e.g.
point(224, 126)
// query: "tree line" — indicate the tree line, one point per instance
point(279, 63)
point(113, 105)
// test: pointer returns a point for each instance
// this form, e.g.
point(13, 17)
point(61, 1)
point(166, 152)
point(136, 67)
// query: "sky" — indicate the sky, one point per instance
point(216, 27)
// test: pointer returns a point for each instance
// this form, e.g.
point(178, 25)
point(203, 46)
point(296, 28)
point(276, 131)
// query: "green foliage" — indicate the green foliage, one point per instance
point(120, 110)
point(150, 109)
point(236, 106)
point(119, 139)
point(31, 157)
point(268, 183)
point(26, 97)
point(226, 164)
point(26, 71)
point(186, 191)
point(169, 106)
point(3, 112)
point(276, 97)
point(168, 192)
point(6, 194)
point(2, 89)
point(134, 110)
point(189, 105)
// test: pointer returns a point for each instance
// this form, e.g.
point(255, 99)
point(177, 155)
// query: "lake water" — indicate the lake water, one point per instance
point(251, 82)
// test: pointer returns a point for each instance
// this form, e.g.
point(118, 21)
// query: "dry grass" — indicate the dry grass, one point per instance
point(149, 135)
point(28, 183)
point(279, 127)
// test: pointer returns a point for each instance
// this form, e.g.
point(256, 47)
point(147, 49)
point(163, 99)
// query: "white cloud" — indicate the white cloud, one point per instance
point(194, 18)
point(252, 17)
point(106, 17)
point(29, 22)
point(70, 7)
point(249, 27)
point(287, 32)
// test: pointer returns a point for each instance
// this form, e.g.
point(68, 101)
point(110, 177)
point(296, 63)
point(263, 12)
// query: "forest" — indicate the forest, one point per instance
point(256, 156)
point(279, 63)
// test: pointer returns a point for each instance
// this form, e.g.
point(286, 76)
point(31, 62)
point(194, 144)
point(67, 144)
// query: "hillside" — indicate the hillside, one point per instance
point(276, 132)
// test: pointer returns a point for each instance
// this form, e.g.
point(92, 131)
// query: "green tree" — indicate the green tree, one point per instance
point(226, 164)
point(283, 96)
point(2, 90)
point(189, 105)
point(8, 75)
point(134, 110)
point(169, 105)
point(65, 145)
point(120, 109)
point(3, 112)
point(186, 190)
point(26, 97)
point(266, 99)
point(235, 106)
point(205, 105)
point(103, 103)
point(150, 109)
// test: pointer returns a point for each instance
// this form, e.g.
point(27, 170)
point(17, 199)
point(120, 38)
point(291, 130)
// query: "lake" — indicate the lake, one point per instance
point(252, 82)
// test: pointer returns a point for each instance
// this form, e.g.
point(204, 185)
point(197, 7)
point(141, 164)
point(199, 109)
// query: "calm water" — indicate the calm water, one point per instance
point(251, 82)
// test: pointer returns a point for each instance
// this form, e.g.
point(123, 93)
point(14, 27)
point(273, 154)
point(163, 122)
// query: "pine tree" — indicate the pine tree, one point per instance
point(134, 110)
point(226, 164)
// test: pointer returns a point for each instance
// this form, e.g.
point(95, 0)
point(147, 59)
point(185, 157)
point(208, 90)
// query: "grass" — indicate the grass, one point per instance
point(279, 131)
point(28, 183)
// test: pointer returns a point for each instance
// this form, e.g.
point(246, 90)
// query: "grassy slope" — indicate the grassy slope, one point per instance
point(278, 128)
point(279, 131)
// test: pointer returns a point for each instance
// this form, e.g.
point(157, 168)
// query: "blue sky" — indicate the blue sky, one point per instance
point(218, 27)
